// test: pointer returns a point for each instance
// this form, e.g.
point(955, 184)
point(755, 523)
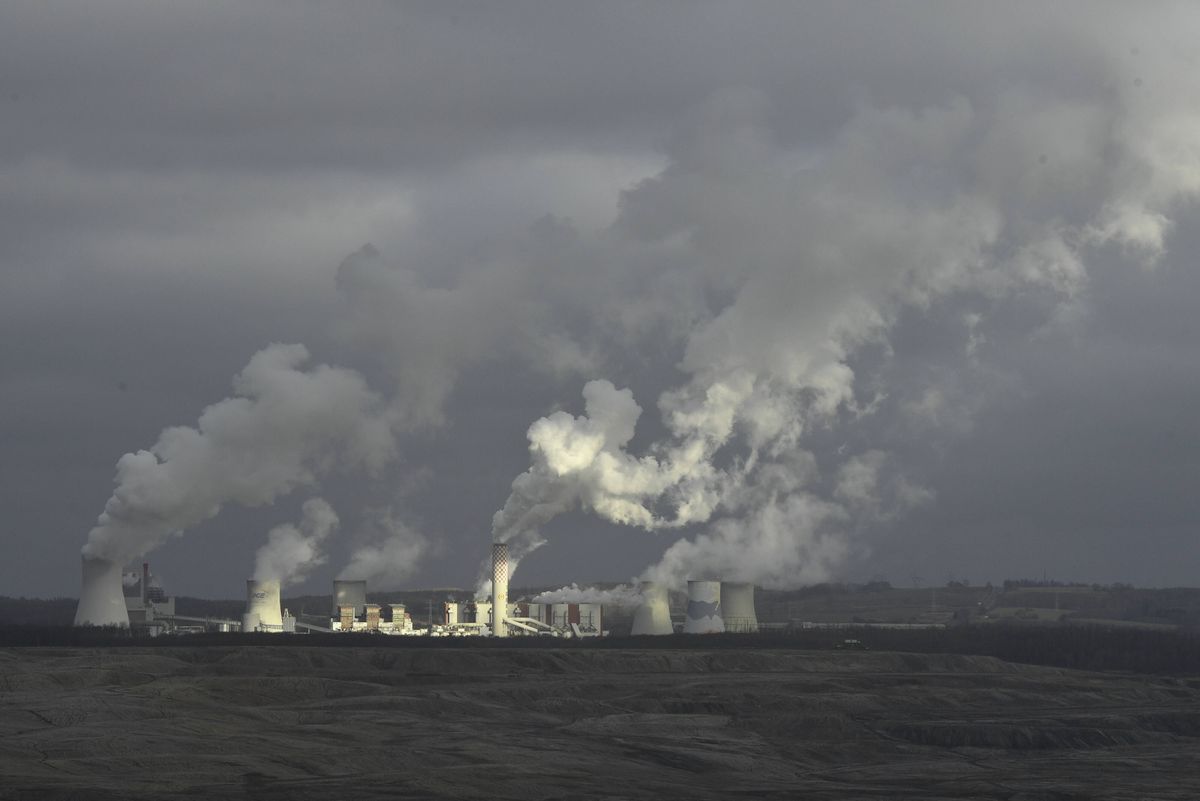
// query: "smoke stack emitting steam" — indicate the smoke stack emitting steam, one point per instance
point(820, 269)
point(101, 597)
point(282, 429)
point(292, 551)
point(499, 588)
point(814, 269)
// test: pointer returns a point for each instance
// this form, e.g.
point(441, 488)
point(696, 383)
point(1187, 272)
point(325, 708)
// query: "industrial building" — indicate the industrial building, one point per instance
point(137, 601)
point(146, 603)
point(134, 600)
point(461, 619)
point(374, 619)
point(503, 619)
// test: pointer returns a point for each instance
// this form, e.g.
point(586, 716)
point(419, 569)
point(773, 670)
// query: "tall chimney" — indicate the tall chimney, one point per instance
point(145, 583)
point(499, 588)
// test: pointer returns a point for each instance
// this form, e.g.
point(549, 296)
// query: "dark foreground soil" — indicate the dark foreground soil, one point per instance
point(297, 723)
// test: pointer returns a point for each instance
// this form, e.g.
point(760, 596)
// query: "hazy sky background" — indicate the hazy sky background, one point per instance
point(949, 248)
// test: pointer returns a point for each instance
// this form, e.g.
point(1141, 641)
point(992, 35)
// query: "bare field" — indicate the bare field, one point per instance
point(363, 723)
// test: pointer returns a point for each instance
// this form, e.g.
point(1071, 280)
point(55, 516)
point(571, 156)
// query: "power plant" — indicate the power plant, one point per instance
point(136, 601)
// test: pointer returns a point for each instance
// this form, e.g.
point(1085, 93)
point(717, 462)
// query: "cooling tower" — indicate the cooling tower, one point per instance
point(654, 615)
point(262, 599)
point(101, 596)
point(499, 588)
point(347, 593)
point(704, 608)
point(737, 607)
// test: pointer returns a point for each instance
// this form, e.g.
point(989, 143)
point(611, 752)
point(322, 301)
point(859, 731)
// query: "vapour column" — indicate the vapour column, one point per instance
point(654, 614)
point(499, 588)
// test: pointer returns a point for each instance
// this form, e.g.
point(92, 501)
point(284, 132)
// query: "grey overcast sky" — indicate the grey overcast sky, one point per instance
point(786, 292)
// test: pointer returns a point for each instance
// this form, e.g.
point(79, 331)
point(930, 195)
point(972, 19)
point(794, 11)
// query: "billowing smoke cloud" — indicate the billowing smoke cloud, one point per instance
point(292, 551)
point(284, 427)
point(391, 554)
point(427, 335)
point(762, 261)
point(621, 595)
point(980, 199)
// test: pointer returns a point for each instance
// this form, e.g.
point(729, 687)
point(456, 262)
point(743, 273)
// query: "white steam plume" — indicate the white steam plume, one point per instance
point(283, 428)
point(292, 551)
point(822, 253)
point(621, 595)
point(581, 461)
point(392, 554)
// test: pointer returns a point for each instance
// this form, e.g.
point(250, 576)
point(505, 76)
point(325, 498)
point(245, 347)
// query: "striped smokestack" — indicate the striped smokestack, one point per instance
point(704, 608)
point(499, 588)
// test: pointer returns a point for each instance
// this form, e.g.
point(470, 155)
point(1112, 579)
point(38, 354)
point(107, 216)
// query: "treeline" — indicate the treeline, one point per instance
point(1013, 584)
point(37, 611)
point(25, 635)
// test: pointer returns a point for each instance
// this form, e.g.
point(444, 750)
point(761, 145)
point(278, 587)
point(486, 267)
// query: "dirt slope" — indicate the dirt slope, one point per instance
point(324, 723)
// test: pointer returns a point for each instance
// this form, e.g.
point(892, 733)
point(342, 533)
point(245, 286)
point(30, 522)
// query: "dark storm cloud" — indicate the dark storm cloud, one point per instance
point(899, 239)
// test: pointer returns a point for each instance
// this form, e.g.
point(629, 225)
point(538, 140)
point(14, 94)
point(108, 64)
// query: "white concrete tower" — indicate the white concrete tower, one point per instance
point(499, 588)
point(101, 597)
point(737, 607)
point(262, 600)
point(704, 608)
point(654, 615)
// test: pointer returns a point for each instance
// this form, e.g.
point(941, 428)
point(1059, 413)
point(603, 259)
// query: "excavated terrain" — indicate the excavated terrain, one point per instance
point(296, 723)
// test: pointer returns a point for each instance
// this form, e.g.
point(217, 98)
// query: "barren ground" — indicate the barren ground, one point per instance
point(300, 723)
